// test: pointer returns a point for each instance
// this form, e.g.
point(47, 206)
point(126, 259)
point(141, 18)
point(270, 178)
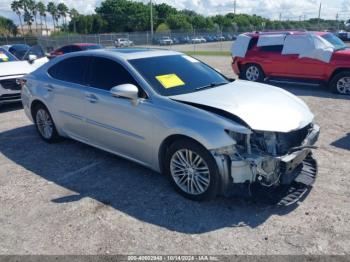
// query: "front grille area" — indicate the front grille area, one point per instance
point(279, 143)
point(292, 139)
point(9, 97)
point(10, 84)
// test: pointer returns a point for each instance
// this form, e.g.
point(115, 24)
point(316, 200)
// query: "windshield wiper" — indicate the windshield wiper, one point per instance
point(211, 85)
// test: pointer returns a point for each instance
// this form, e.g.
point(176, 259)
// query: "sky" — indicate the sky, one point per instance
point(289, 9)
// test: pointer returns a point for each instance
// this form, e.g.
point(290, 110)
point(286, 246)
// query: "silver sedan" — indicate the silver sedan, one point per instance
point(174, 114)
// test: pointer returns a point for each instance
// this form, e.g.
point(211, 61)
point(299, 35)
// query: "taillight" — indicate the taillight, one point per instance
point(234, 59)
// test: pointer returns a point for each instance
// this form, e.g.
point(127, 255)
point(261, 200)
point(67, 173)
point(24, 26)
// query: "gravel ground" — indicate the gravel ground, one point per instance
point(69, 198)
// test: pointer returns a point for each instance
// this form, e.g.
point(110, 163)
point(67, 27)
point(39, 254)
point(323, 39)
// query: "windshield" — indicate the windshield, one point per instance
point(6, 56)
point(335, 41)
point(19, 50)
point(177, 74)
point(34, 50)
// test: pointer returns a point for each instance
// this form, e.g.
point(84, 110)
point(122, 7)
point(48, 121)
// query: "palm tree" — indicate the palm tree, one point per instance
point(28, 18)
point(62, 11)
point(42, 12)
point(52, 9)
point(31, 6)
point(73, 14)
point(16, 7)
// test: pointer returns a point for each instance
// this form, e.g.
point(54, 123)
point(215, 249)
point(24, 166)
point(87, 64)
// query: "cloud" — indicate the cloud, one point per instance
point(289, 9)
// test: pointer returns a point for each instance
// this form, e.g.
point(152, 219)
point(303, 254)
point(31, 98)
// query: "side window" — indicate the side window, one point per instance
point(252, 43)
point(272, 48)
point(70, 70)
point(65, 49)
point(75, 48)
point(106, 73)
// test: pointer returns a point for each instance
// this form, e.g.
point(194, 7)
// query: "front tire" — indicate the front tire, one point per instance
point(192, 170)
point(252, 72)
point(340, 83)
point(44, 124)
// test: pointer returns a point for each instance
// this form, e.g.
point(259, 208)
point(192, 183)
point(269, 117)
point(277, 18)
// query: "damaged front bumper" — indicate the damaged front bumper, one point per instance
point(265, 169)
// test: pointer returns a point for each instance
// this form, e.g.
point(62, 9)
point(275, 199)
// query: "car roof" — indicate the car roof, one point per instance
point(287, 32)
point(84, 44)
point(130, 53)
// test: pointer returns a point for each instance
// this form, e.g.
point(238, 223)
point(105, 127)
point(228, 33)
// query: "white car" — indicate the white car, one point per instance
point(198, 40)
point(12, 69)
point(123, 42)
point(166, 40)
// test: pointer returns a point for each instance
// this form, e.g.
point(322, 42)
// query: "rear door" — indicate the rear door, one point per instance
point(67, 94)
point(273, 62)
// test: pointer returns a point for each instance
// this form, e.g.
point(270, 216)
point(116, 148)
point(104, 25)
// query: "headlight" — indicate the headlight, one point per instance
point(238, 137)
point(227, 150)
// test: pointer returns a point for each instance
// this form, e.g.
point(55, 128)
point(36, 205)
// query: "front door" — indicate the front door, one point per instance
point(115, 123)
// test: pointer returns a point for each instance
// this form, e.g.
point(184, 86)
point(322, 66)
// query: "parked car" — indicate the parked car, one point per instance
point(12, 69)
point(209, 38)
point(165, 40)
point(294, 56)
point(343, 35)
point(185, 40)
point(219, 38)
point(18, 50)
point(173, 114)
point(123, 42)
point(74, 48)
point(176, 41)
point(196, 40)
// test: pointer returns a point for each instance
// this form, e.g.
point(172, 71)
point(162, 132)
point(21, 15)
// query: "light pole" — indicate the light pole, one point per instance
point(319, 16)
point(151, 6)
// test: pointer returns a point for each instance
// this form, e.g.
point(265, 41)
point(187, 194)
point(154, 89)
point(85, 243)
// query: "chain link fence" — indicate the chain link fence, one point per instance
point(176, 40)
point(29, 40)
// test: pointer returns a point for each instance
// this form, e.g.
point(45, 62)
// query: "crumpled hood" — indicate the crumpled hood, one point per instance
point(20, 67)
point(262, 107)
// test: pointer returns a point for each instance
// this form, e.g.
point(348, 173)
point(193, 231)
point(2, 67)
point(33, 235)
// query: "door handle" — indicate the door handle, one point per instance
point(91, 98)
point(49, 87)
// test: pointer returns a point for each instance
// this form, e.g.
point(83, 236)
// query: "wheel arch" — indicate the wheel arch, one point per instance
point(34, 104)
point(242, 66)
point(167, 142)
point(337, 71)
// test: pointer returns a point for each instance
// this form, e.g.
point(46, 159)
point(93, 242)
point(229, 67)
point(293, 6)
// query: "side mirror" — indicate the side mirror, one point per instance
point(32, 58)
point(129, 91)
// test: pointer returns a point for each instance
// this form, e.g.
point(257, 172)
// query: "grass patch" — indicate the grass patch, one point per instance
point(208, 53)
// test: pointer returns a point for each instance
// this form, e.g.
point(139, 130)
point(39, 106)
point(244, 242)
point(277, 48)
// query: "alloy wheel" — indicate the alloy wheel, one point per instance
point(44, 123)
point(190, 172)
point(252, 73)
point(343, 85)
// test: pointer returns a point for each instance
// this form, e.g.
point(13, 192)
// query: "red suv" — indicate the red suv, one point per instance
point(293, 55)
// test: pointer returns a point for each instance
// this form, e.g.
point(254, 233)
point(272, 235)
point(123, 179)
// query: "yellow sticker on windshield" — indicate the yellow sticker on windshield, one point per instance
point(169, 81)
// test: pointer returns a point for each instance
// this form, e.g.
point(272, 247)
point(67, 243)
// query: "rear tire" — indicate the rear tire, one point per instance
point(252, 72)
point(340, 83)
point(192, 170)
point(44, 124)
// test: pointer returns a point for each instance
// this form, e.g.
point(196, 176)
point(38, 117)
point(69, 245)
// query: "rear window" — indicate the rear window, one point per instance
point(70, 70)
